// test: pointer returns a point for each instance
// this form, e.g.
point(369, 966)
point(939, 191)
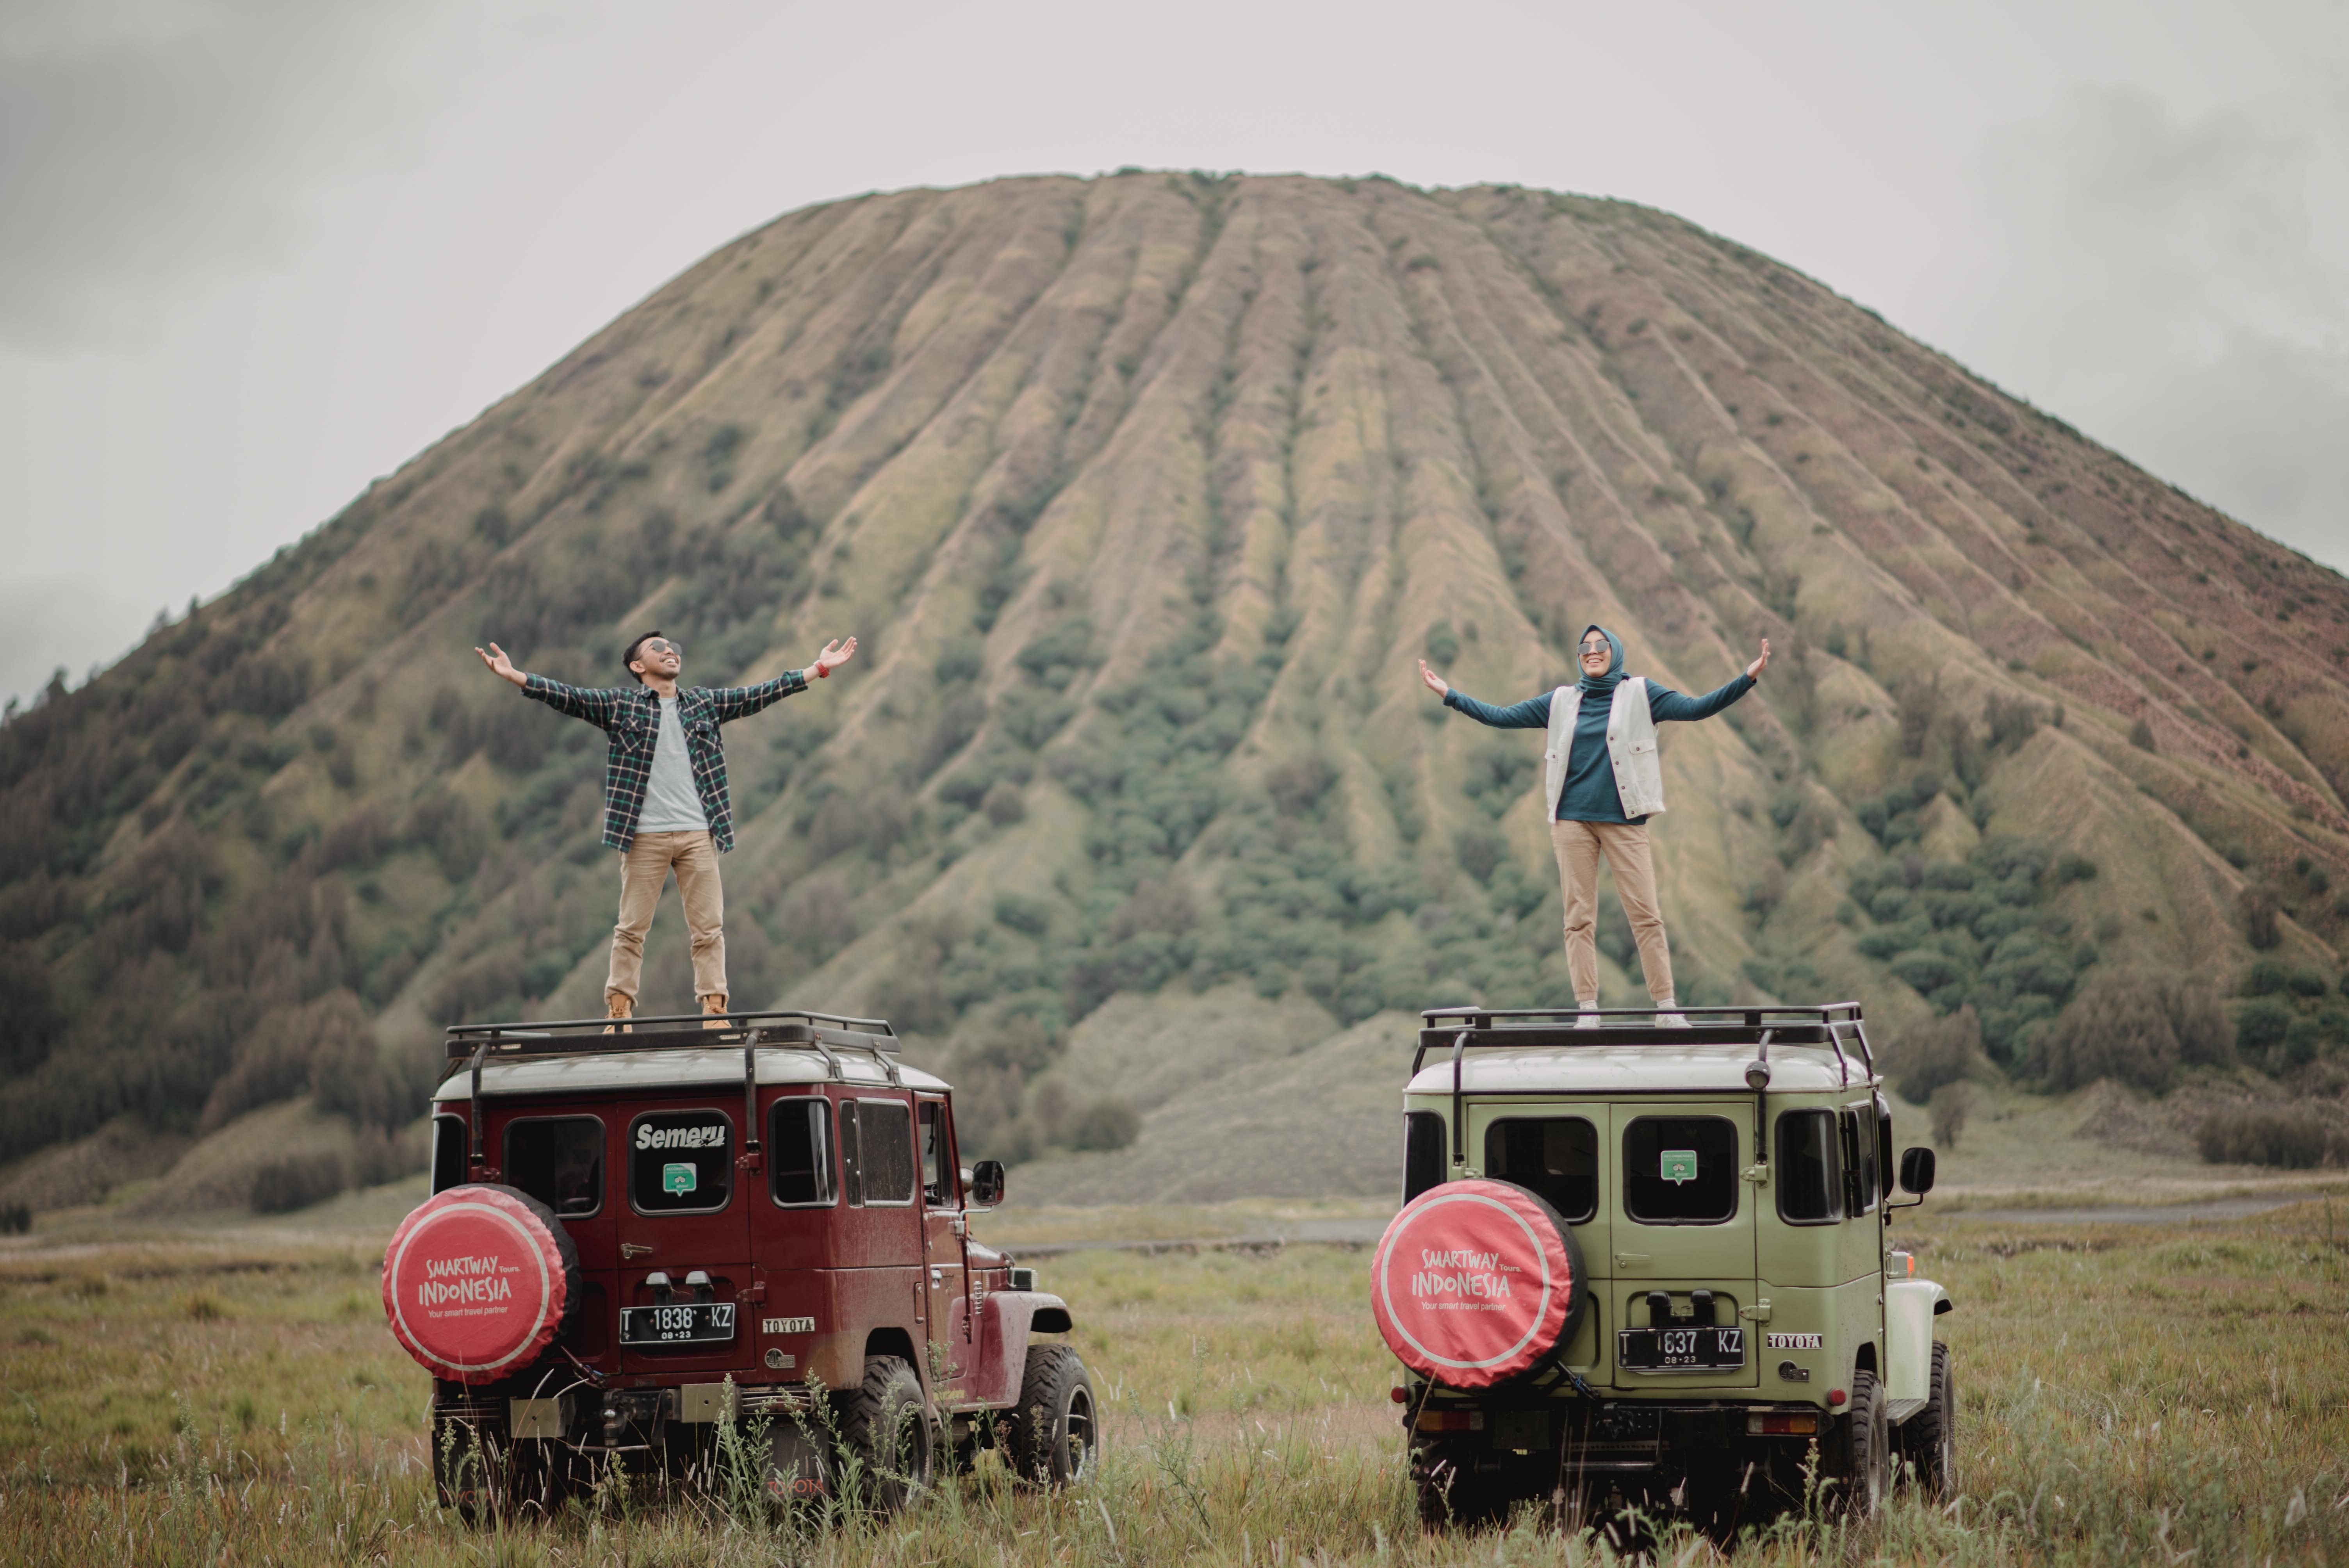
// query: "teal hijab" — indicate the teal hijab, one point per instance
point(1600, 686)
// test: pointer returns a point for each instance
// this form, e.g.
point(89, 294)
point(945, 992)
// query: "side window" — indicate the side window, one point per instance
point(938, 1157)
point(450, 1136)
point(1422, 1152)
point(1859, 1157)
point(559, 1161)
point(1555, 1156)
point(881, 1152)
point(1680, 1169)
point(680, 1161)
point(1809, 1178)
point(1885, 1165)
point(799, 1151)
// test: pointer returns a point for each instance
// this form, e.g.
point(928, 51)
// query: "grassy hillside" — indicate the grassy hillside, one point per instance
point(1142, 494)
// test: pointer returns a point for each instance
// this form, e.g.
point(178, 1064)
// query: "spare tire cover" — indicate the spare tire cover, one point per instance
point(1477, 1281)
point(479, 1280)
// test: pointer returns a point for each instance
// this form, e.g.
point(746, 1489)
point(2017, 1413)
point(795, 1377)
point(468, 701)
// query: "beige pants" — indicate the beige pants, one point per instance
point(644, 871)
point(1625, 845)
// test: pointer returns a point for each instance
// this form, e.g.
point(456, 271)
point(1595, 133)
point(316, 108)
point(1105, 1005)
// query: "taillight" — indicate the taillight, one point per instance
point(1782, 1423)
point(1450, 1421)
point(1400, 1396)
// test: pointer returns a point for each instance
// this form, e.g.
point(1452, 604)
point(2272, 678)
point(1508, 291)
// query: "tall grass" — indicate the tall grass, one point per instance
point(2174, 1397)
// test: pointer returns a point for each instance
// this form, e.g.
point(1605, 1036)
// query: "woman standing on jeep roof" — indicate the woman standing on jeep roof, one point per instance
point(1600, 776)
point(665, 804)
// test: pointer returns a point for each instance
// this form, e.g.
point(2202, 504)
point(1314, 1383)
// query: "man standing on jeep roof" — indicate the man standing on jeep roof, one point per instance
point(665, 802)
point(1602, 782)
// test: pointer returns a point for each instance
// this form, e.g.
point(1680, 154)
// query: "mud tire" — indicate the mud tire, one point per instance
point(1865, 1450)
point(885, 1428)
point(1928, 1441)
point(1056, 1430)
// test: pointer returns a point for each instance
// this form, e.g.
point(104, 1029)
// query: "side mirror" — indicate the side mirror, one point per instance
point(987, 1182)
point(1916, 1171)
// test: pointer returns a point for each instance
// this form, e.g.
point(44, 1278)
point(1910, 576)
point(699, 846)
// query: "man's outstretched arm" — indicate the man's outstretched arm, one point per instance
point(596, 707)
point(738, 701)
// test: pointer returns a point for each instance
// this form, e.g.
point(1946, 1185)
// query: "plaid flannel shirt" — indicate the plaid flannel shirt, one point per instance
point(631, 716)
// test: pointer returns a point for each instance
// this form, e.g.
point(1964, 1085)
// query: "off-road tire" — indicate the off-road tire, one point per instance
point(467, 1470)
point(1450, 1492)
point(1051, 1436)
point(1930, 1438)
point(885, 1428)
point(1865, 1445)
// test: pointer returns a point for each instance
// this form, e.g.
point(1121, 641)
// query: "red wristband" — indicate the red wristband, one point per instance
point(822, 671)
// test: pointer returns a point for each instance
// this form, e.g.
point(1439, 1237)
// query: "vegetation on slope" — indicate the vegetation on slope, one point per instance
point(1142, 493)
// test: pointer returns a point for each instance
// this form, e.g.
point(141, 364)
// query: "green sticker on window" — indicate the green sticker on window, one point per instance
point(1679, 1165)
point(676, 1179)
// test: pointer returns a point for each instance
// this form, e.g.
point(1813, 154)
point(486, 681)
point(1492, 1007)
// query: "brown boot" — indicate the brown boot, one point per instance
point(715, 1003)
point(618, 1005)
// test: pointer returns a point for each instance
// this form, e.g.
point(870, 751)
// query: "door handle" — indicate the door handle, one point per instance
point(1632, 1260)
point(634, 1249)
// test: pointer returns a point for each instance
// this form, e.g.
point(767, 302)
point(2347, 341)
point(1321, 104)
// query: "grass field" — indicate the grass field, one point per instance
point(2129, 1394)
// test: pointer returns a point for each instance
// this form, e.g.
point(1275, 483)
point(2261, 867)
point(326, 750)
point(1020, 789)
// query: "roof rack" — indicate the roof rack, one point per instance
point(1458, 1029)
point(671, 1031)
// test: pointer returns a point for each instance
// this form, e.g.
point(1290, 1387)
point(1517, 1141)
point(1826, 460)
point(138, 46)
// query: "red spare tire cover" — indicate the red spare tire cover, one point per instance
point(479, 1280)
point(1477, 1281)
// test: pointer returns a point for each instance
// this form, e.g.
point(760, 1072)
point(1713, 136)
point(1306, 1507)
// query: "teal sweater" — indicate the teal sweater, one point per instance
point(1589, 795)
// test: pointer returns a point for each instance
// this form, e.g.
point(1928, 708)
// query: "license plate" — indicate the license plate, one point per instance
point(1679, 1349)
point(691, 1323)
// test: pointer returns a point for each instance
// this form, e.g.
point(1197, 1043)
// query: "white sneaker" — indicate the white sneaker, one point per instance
point(1668, 1020)
point(1588, 1019)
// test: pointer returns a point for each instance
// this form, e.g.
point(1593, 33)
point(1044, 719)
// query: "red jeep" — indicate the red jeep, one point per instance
point(635, 1238)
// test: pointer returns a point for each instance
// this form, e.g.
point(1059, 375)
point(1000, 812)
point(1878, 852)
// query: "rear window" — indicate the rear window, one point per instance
point(1809, 1178)
point(799, 1151)
point(878, 1140)
point(449, 1137)
point(559, 1161)
point(1680, 1169)
point(1555, 1156)
point(1422, 1152)
point(680, 1161)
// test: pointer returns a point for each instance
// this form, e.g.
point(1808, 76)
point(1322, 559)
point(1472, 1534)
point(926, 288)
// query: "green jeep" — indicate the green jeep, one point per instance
point(1647, 1266)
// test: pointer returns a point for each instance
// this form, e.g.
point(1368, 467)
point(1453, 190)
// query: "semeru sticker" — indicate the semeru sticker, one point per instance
point(1794, 1341)
point(1679, 1165)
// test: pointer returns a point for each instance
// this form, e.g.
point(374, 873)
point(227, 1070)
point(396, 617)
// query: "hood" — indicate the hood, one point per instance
point(1600, 686)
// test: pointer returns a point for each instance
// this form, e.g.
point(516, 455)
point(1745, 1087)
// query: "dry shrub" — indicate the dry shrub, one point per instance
point(2135, 1026)
point(2293, 1137)
point(1924, 1060)
point(1950, 1104)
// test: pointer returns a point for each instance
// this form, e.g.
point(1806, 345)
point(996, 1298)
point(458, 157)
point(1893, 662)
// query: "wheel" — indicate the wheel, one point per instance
point(1055, 1430)
point(1450, 1493)
point(1930, 1439)
point(1865, 1443)
point(884, 1428)
point(468, 1466)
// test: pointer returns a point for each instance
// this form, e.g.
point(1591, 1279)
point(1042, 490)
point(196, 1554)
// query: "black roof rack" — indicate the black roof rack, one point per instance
point(1457, 1029)
point(674, 1031)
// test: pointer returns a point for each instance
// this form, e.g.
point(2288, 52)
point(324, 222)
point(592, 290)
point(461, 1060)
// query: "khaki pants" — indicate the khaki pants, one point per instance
point(1625, 845)
point(644, 871)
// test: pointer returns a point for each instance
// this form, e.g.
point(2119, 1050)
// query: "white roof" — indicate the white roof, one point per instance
point(652, 1071)
point(1634, 1070)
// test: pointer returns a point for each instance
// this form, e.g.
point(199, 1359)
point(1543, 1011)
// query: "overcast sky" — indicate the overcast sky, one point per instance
point(256, 252)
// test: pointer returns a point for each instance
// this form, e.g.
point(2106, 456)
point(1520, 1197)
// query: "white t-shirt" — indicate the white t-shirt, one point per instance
point(672, 805)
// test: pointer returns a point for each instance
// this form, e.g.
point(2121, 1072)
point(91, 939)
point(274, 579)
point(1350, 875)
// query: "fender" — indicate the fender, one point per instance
point(1005, 1320)
point(1910, 1308)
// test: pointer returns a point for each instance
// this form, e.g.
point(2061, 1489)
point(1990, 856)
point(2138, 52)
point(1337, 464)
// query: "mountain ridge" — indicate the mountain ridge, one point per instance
point(1142, 493)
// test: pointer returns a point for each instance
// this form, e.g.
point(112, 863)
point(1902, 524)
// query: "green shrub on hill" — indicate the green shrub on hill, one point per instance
point(1975, 933)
